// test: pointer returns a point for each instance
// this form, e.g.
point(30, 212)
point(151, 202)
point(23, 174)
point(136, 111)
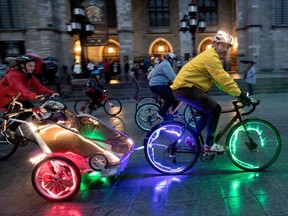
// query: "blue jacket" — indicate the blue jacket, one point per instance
point(162, 74)
point(251, 76)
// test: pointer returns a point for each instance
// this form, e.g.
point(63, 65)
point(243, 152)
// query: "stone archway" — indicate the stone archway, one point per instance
point(111, 50)
point(158, 47)
point(205, 44)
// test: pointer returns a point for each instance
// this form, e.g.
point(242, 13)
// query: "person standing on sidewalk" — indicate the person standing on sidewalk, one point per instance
point(195, 79)
point(250, 77)
point(106, 70)
point(134, 73)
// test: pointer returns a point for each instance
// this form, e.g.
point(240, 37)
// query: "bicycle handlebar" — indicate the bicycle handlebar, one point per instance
point(238, 105)
point(14, 102)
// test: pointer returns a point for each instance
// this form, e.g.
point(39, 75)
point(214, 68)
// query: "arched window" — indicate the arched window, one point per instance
point(205, 45)
point(160, 48)
point(111, 51)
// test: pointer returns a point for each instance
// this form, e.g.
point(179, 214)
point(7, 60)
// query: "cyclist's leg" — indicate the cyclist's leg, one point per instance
point(95, 96)
point(165, 93)
point(205, 104)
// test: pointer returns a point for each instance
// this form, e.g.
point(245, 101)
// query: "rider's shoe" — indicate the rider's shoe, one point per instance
point(214, 148)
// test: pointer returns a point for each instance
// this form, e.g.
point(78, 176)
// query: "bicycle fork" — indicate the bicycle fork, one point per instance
point(250, 144)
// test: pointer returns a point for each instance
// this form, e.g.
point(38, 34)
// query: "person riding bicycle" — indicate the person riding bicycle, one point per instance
point(20, 78)
point(195, 79)
point(160, 79)
point(95, 89)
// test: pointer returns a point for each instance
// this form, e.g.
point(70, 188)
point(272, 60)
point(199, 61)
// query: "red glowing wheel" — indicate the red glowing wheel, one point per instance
point(56, 178)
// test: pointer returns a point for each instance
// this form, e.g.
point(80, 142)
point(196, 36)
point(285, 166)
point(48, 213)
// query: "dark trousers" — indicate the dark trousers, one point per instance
point(165, 92)
point(207, 107)
point(137, 89)
point(96, 97)
point(250, 89)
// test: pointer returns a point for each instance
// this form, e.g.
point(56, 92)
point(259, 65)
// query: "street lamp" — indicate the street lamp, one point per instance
point(191, 22)
point(81, 26)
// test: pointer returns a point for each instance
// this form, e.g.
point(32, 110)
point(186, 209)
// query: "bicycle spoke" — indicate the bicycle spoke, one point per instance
point(171, 148)
point(258, 150)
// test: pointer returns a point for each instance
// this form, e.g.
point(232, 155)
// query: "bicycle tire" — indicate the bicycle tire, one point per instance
point(188, 118)
point(255, 156)
point(67, 174)
point(171, 148)
point(7, 149)
point(146, 116)
point(145, 100)
point(112, 106)
point(82, 107)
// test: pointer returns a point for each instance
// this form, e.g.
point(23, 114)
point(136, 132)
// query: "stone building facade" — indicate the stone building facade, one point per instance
point(39, 26)
point(262, 28)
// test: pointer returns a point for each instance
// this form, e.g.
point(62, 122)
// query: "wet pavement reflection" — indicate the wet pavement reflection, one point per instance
point(209, 188)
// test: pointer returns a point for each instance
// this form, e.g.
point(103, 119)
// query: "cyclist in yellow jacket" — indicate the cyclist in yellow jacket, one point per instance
point(197, 76)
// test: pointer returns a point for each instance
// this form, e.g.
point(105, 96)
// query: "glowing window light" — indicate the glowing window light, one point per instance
point(110, 50)
point(160, 48)
point(209, 46)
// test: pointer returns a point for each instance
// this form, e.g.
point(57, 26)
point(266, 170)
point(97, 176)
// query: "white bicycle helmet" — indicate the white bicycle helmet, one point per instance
point(223, 37)
point(169, 55)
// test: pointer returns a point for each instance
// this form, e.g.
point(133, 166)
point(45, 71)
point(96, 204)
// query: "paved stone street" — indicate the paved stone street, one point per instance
point(211, 188)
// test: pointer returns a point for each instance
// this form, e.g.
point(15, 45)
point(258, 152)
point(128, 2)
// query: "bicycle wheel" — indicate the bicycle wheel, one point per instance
point(112, 106)
point(56, 178)
point(6, 148)
point(146, 116)
point(188, 118)
point(257, 153)
point(145, 100)
point(82, 106)
point(171, 148)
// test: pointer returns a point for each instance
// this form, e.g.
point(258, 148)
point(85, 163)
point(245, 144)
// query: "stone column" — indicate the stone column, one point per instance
point(125, 31)
point(185, 38)
point(249, 30)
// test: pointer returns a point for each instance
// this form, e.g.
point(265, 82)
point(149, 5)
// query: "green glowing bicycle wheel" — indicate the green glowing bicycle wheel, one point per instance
point(257, 151)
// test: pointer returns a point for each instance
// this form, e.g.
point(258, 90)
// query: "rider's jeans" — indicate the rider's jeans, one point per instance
point(206, 106)
point(165, 92)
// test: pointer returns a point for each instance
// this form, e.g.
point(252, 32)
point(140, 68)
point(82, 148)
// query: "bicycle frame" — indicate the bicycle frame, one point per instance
point(237, 115)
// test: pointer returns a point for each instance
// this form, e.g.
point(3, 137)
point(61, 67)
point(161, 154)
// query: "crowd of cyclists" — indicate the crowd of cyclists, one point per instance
point(190, 84)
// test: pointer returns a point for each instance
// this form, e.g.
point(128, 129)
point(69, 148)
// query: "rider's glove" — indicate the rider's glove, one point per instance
point(244, 99)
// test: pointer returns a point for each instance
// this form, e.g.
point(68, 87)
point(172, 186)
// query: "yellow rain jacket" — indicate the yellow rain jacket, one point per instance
point(204, 70)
